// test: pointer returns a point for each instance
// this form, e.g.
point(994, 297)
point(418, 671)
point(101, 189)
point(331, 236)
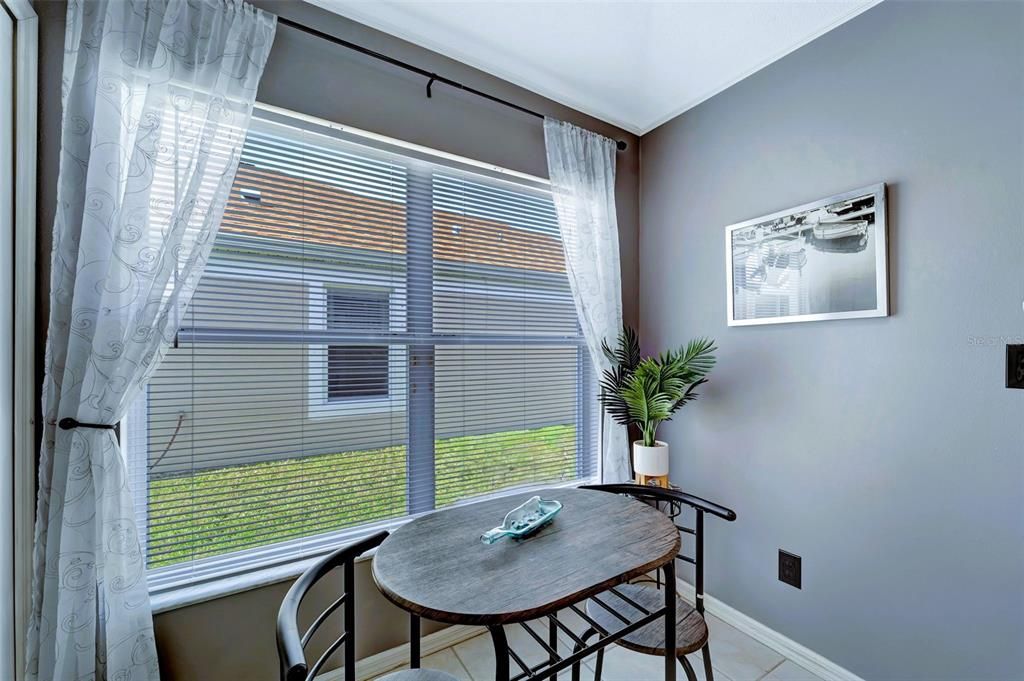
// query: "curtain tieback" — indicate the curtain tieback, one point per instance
point(69, 423)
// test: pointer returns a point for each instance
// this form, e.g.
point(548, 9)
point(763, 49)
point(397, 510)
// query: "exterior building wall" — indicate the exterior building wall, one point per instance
point(218, 403)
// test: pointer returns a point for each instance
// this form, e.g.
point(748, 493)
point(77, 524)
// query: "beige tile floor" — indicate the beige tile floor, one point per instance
point(734, 655)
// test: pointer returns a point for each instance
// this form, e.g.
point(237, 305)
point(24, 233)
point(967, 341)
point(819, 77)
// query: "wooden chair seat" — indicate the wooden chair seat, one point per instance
point(417, 675)
point(691, 630)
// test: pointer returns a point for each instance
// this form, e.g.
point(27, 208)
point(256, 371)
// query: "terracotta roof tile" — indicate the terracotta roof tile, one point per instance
point(308, 211)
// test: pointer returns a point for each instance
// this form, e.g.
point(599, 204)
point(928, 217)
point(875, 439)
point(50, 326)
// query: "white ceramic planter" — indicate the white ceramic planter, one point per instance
point(650, 461)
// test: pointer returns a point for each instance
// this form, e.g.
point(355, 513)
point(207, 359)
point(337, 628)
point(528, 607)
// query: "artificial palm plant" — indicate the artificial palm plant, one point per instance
point(645, 392)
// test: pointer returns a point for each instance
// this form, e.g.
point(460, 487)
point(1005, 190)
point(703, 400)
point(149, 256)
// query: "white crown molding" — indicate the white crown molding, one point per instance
point(565, 95)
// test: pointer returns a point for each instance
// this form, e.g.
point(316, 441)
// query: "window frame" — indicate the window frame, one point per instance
point(212, 577)
point(18, 482)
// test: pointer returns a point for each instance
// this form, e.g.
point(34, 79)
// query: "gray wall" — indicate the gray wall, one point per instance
point(886, 452)
point(232, 637)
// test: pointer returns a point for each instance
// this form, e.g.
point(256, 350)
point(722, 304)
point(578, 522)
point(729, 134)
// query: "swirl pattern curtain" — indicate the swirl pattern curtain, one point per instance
point(581, 167)
point(157, 97)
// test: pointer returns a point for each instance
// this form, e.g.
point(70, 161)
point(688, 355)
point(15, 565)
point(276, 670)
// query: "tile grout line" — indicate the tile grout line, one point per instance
point(461, 661)
point(463, 665)
point(774, 667)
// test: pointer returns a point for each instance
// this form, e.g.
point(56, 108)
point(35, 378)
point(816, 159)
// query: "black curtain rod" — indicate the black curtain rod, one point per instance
point(432, 77)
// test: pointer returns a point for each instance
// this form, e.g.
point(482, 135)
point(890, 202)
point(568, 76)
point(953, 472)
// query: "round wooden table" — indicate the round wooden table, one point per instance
point(436, 566)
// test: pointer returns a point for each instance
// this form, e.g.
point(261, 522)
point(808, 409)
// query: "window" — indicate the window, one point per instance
point(357, 371)
point(380, 332)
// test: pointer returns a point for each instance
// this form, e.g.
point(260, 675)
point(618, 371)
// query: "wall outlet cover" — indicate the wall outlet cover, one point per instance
point(1015, 366)
point(789, 568)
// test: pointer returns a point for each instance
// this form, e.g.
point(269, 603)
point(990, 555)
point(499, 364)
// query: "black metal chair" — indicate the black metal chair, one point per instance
point(633, 600)
point(291, 646)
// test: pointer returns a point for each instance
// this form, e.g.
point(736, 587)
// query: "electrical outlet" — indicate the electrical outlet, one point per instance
point(1015, 366)
point(789, 568)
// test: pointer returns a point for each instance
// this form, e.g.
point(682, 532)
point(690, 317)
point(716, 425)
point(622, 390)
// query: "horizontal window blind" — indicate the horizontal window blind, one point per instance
point(376, 335)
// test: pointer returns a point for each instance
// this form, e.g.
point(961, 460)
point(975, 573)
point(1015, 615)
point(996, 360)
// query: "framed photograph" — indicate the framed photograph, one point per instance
point(822, 260)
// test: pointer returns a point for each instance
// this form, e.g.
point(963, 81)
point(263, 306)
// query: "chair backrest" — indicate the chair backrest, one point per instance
point(291, 645)
point(671, 502)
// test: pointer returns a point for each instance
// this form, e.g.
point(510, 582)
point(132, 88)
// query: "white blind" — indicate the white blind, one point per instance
point(376, 335)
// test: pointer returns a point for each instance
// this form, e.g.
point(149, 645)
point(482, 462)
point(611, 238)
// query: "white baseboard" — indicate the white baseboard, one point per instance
point(385, 661)
point(800, 654)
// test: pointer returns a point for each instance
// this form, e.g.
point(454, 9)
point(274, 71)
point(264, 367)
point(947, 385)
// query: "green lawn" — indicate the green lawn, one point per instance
point(258, 504)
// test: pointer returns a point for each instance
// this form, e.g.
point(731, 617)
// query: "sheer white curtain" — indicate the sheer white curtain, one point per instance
point(581, 166)
point(157, 97)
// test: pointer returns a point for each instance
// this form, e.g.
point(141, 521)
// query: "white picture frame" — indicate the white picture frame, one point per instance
point(822, 260)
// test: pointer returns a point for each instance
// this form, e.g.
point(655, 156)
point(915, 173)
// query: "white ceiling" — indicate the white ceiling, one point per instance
point(633, 64)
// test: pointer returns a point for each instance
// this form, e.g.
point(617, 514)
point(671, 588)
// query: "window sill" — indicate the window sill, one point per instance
point(228, 586)
point(178, 587)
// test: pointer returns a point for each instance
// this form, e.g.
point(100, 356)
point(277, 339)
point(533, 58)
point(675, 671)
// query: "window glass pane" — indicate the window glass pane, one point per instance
point(243, 446)
point(507, 405)
point(506, 416)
